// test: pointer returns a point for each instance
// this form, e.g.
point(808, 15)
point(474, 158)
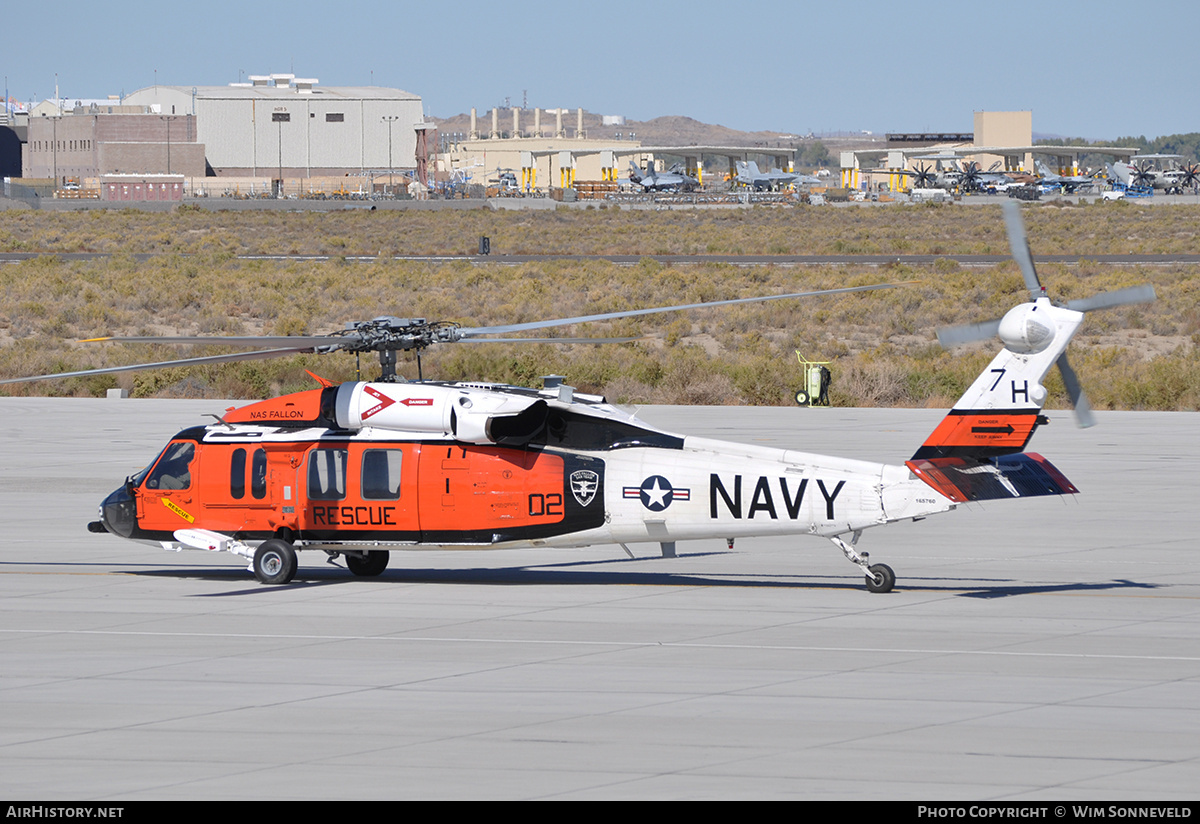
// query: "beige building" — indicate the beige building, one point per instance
point(548, 149)
point(998, 129)
point(1003, 140)
point(281, 125)
point(84, 144)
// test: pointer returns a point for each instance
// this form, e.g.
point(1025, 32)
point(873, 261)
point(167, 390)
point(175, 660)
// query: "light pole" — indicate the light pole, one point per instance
point(168, 118)
point(54, 145)
point(281, 118)
point(389, 120)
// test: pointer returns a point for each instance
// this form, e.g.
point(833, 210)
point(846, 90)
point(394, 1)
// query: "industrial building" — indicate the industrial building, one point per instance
point(553, 154)
point(276, 132)
point(281, 126)
point(1001, 140)
point(88, 142)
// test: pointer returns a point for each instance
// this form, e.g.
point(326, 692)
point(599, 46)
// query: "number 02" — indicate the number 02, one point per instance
point(540, 504)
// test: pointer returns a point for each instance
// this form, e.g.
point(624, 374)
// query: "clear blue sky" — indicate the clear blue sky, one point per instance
point(1096, 69)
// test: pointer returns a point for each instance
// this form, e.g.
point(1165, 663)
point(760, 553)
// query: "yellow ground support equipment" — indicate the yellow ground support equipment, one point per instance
point(815, 389)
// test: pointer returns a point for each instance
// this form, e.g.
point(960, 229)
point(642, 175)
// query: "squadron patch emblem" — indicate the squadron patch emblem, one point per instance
point(584, 483)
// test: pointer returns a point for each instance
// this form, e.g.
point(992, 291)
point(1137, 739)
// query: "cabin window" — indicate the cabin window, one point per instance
point(381, 474)
point(327, 474)
point(258, 474)
point(237, 475)
point(173, 470)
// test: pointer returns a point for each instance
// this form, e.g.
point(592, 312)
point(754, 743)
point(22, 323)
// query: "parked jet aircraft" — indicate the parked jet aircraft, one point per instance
point(748, 174)
point(655, 181)
point(1067, 183)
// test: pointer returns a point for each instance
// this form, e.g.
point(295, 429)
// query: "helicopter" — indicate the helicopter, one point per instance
point(358, 469)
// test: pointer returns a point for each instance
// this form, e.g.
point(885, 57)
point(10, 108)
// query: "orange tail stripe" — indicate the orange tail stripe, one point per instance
point(984, 430)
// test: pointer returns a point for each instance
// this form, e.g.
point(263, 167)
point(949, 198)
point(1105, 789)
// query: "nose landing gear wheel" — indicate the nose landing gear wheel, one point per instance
point(881, 579)
point(275, 562)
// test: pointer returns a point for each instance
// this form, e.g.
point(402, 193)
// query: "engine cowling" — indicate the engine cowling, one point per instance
point(466, 414)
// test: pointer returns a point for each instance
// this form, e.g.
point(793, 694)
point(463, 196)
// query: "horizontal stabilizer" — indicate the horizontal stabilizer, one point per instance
point(1024, 475)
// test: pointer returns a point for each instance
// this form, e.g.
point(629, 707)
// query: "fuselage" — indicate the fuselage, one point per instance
point(480, 466)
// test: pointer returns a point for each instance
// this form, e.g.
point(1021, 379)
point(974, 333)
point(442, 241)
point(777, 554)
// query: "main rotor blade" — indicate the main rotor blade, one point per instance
point(306, 341)
point(970, 333)
point(474, 331)
point(1019, 244)
point(236, 356)
point(548, 340)
point(1119, 297)
point(1083, 409)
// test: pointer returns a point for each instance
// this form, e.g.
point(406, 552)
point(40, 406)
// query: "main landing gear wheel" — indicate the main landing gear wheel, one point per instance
point(275, 562)
point(369, 564)
point(881, 578)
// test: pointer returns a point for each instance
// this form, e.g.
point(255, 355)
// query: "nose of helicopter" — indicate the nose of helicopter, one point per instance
point(118, 514)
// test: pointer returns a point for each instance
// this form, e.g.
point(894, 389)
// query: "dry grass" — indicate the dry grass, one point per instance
point(882, 343)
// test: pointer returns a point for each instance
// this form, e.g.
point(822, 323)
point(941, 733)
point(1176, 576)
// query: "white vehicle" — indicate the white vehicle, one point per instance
point(1112, 194)
point(931, 195)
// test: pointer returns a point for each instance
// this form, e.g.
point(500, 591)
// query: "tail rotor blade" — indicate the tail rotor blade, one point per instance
point(957, 335)
point(1083, 409)
point(1019, 244)
point(1109, 300)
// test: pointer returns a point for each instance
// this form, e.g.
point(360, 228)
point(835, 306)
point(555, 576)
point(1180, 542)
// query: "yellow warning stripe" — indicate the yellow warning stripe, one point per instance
point(175, 508)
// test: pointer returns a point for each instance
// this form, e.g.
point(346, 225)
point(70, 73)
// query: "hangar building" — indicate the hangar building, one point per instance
point(282, 126)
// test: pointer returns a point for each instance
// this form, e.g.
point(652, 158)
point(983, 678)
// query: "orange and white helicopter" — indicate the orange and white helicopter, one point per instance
point(356, 469)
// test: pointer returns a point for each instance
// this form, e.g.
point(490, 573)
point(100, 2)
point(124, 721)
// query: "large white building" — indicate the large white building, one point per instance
point(281, 126)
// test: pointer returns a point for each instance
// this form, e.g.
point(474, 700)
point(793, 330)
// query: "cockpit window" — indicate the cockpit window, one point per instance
point(173, 470)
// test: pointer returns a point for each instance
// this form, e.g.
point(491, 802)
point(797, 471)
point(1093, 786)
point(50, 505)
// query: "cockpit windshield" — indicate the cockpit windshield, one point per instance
point(172, 470)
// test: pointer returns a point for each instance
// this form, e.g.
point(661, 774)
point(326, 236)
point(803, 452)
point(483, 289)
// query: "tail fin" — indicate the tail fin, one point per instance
point(998, 414)
point(974, 454)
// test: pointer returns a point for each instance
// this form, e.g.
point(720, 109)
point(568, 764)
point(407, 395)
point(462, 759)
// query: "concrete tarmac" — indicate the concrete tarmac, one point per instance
point(1032, 650)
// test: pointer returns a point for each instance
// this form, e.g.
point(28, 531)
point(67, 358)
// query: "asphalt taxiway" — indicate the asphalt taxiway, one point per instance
point(1032, 650)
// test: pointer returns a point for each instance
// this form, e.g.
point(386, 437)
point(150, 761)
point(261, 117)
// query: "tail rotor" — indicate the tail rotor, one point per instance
point(1023, 331)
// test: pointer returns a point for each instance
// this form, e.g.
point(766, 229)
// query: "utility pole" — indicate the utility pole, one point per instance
point(168, 118)
point(281, 118)
point(389, 120)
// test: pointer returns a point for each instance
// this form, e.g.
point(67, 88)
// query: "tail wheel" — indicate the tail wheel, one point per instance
point(802, 398)
point(369, 564)
point(881, 578)
point(275, 562)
